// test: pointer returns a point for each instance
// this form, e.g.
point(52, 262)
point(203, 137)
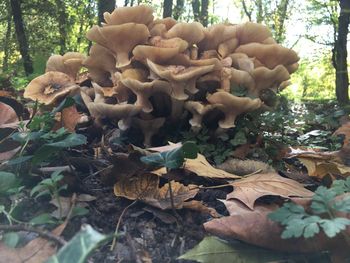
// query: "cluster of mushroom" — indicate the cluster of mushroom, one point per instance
point(146, 72)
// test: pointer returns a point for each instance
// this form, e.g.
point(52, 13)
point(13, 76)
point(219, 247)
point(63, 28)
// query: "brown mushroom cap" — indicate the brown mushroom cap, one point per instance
point(144, 90)
point(232, 106)
point(50, 87)
point(70, 63)
point(198, 110)
point(252, 32)
point(160, 26)
point(180, 77)
point(242, 62)
point(158, 41)
point(270, 55)
point(215, 35)
point(192, 33)
point(140, 14)
point(100, 110)
point(227, 47)
point(118, 40)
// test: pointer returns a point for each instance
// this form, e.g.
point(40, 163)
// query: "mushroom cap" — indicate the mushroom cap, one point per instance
point(49, 87)
point(252, 32)
point(157, 54)
point(198, 110)
point(232, 106)
point(140, 14)
point(269, 55)
point(217, 34)
point(158, 41)
point(70, 63)
point(160, 26)
point(193, 33)
point(144, 90)
point(118, 40)
point(101, 110)
point(242, 62)
point(268, 78)
point(227, 47)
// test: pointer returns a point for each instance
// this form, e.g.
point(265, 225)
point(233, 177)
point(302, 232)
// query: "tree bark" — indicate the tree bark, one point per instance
point(204, 12)
point(340, 49)
point(21, 36)
point(179, 9)
point(246, 11)
point(282, 16)
point(62, 22)
point(104, 6)
point(196, 10)
point(167, 8)
point(5, 63)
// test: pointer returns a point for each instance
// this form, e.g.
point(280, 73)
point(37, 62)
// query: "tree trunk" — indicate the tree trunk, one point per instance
point(126, 2)
point(260, 11)
point(62, 22)
point(167, 8)
point(7, 40)
point(204, 12)
point(179, 9)
point(340, 49)
point(21, 36)
point(104, 6)
point(282, 16)
point(246, 11)
point(196, 8)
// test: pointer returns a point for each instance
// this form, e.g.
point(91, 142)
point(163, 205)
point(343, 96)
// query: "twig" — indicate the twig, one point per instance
point(46, 234)
point(114, 242)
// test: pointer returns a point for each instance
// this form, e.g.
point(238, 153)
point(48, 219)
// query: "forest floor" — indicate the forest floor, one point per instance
point(146, 233)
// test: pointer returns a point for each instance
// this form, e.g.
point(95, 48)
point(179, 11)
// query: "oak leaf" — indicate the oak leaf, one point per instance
point(249, 189)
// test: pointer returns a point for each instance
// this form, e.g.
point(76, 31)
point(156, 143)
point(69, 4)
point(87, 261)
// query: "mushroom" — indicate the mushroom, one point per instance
point(242, 62)
point(160, 26)
point(140, 14)
point(180, 78)
point(100, 110)
point(252, 32)
point(70, 63)
point(101, 65)
point(198, 110)
point(144, 90)
point(232, 106)
point(156, 54)
point(50, 87)
point(193, 33)
point(215, 35)
point(149, 127)
point(118, 40)
point(269, 55)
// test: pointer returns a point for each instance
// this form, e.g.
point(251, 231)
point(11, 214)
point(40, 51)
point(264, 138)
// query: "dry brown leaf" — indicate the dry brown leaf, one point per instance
point(146, 189)
point(200, 207)
point(255, 228)
point(7, 114)
point(244, 167)
point(249, 189)
point(344, 130)
point(36, 251)
point(202, 167)
point(70, 118)
point(165, 148)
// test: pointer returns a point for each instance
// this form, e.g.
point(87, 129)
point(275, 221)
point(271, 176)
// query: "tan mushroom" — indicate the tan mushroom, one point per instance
point(50, 87)
point(158, 41)
point(118, 40)
point(149, 127)
point(242, 62)
point(70, 63)
point(144, 90)
point(180, 78)
point(155, 54)
point(215, 35)
point(270, 55)
point(192, 33)
point(252, 32)
point(101, 65)
point(198, 110)
point(227, 47)
point(140, 14)
point(232, 106)
point(100, 110)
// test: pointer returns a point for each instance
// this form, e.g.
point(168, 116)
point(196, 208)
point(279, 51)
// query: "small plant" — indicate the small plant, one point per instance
point(324, 213)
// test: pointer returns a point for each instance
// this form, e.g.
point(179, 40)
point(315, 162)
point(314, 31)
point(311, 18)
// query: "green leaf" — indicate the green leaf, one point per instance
point(7, 181)
point(333, 227)
point(79, 211)
point(67, 102)
point(79, 247)
point(42, 219)
point(311, 230)
point(190, 150)
point(212, 249)
point(11, 239)
point(20, 160)
point(239, 139)
point(71, 140)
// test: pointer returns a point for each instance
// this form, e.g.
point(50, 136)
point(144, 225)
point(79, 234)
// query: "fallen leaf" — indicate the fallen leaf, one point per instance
point(249, 189)
point(36, 251)
point(7, 114)
point(70, 117)
point(255, 228)
point(344, 130)
point(64, 204)
point(211, 249)
point(244, 167)
point(163, 216)
point(165, 148)
point(200, 207)
point(145, 188)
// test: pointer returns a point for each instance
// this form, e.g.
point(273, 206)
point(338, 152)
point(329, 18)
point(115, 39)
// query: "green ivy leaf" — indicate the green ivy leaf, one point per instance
point(7, 182)
point(10, 239)
point(42, 219)
point(334, 226)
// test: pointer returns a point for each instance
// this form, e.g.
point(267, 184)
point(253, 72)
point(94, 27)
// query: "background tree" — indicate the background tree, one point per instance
point(167, 8)
point(200, 11)
point(104, 6)
point(21, 36)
